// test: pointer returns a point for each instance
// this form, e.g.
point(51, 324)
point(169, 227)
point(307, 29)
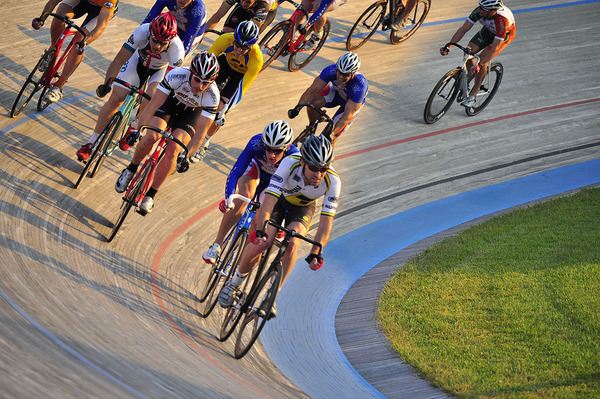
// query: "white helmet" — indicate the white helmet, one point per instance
point(317, 150)
point(490, 4)
point(348, 63)
point(277, 134)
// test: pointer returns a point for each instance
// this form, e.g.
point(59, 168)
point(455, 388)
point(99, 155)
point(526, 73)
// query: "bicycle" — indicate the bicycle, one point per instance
point(279, 41)
point(369, 21)
point(225, 266)
point(257, 304)
point(108, 141)
point(312, 127)
point(45, 73)
point(455, 85)
point(141, 182)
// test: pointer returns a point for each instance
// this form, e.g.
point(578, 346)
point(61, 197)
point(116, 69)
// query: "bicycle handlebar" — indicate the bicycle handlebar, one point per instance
point(467, 50)
point(245, 199)
point(216, 32)
point(67, 21)
point(324, 116)
point(167, 135)
point(293, 233)
point(132, 88)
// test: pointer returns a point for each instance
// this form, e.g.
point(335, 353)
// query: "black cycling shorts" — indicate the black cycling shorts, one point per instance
point(179, 116)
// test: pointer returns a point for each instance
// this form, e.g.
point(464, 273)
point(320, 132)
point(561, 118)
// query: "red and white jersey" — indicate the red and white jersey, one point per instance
point(140, 40)
point(501, 25)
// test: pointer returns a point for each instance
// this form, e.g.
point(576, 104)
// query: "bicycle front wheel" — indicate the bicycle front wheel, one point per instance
point(366, 25)
point(115, 130)
point(302, 57)
point(412, 22)
point(273, 42)
point(131, 198)
point(488, 89)
point(258, 311)
point(223, 272)
point(33, 83)
point(442, 96)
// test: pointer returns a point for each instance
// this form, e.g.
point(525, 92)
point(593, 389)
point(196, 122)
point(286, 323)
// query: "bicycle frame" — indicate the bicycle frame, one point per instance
point(312, 127)
point(294, 45)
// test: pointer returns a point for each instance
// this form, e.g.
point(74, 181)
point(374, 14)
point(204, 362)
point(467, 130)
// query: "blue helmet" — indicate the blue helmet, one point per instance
point(246, 33)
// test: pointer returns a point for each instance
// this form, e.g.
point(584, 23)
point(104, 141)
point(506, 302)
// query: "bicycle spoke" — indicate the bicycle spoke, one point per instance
point(366, 25)
point(412, 23)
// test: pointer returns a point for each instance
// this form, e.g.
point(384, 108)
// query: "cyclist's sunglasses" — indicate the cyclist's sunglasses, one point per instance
point(315, 169)
point(198, 80)
point(275, 151)
point(158, 41)
point(345, 75)
point(240, 45)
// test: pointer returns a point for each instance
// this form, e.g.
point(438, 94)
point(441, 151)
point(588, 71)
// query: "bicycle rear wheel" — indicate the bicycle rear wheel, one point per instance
point(488, 89)
point(366, 25)
point(258, 311)
point(412, 22)
point(302, 57)
point(442, 96)
point(131, 198)
point(98, 154)
point(33, 83)
point(273, 42)
point(224, 273)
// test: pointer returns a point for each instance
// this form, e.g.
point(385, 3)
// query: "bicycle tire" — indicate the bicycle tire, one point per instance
point(447, 89)
point(272, 44)
point(295, 65)
point(229, 264)
point(108, 146)
point(131, 198)
point(370, 20)
point(256, 316)
point(32, 85)
point(416, 18)
point(497, 71)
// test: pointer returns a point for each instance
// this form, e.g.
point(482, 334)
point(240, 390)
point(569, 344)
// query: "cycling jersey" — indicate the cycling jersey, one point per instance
point(249, 64)
point(140, 41)
point(107, 5)
point(177, 83)
point(355, 89)
point(288, 181)
point(253, 157)
point(91, 9)
point(191, 20)
point(325, 4)
point(502, 25)
point(257, 13)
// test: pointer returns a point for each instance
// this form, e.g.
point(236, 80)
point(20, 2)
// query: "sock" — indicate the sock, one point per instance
point(151, 192)
point(133, 168)
point(93, 138)
point(238, 278)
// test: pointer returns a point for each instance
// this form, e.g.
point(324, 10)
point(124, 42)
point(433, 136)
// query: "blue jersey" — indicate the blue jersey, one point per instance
point(355, 89)
point(191, 20)
point(254, 153)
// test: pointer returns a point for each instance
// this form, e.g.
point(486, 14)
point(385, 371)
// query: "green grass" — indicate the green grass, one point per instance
point(509, 308)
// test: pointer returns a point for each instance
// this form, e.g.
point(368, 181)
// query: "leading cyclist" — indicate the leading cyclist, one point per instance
point(243, 10)
point(251, 174)
point(187, 101)
point(497, 33)
point(99, 13)
point(292, 196)
point(338, 85)
point(144, 57)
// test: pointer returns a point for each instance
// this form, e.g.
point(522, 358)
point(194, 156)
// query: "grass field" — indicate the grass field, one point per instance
point(507, 308)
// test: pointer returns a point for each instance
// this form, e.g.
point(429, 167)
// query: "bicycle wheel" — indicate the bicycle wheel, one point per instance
point(488, 89)
point(273, 42)
point(258, 311)
point(224, 272)
point(412, 22)
point(442, 96)
point(33, 83)
point(216, 268)
point(98, 155)
point(131, 198)
point(117, 129)
point(366, 25)
point(302, 57)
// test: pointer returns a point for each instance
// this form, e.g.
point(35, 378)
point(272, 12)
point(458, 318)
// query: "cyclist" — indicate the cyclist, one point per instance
point(99, 13)
point(243, 10)
point(340, 85)
point(497, 33)
point(240, 60)
point(251, 174)
point(399, 22)
point(190, 16)
point(186, 100)
point(144, 57)
point(318, 19)
point(292, 196)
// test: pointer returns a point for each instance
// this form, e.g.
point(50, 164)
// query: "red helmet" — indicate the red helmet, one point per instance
point(164, 27)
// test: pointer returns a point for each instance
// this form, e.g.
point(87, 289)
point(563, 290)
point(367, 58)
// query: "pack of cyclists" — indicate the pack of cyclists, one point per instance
point(192, 101)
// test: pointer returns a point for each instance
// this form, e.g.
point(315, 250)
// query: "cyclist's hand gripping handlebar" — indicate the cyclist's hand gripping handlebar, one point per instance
point(315, 261)
point(292, 113)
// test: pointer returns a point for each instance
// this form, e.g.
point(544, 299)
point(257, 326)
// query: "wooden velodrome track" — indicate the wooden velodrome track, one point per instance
point(85, 318)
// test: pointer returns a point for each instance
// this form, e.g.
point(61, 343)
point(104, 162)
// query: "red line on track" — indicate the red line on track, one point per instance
point(196, 217)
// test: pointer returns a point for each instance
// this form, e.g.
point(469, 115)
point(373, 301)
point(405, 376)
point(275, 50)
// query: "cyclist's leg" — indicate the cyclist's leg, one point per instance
point(66, 10)
point(167, 164)
point(319, 100)
point(117, 96)
point(297, 218)
point(148, 139)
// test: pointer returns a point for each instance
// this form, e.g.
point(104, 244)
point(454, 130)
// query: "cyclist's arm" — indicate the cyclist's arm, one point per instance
point(103, 18)
point(350, 110)
point(216, 17)
point(317, 85)
point(194, 29)
point(115, 66)
point(319, 12)
point(266, 208)
point(254, 66)
point(204, 122)
point(50, 6)
point(155, 11)
point(238, 169)
point(461, 32)
point(158, 99)
point(221, 44)
point(322, 235)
